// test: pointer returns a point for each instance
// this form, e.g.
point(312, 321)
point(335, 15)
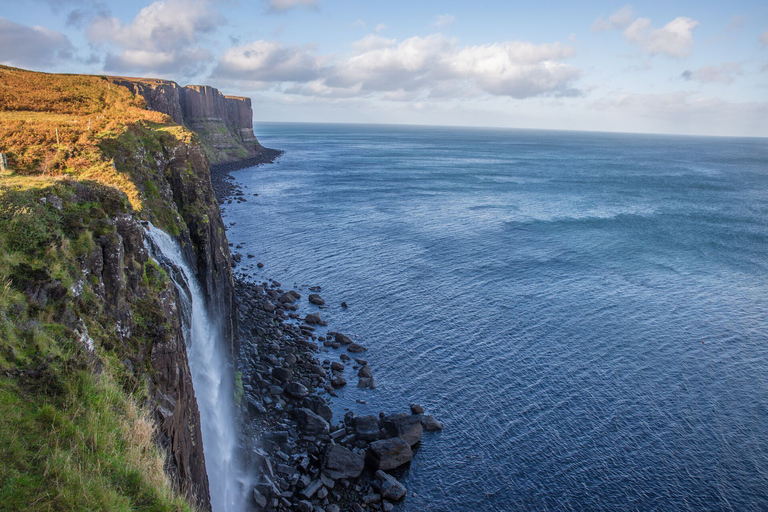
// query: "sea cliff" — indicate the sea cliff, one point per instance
point(93, 363)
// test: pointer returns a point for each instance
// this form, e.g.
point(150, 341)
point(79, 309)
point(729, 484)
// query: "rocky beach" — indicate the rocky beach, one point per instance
point(290, 368)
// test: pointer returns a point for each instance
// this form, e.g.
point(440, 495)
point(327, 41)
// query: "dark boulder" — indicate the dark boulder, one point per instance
point(388, 454)
point(340, 463)
point(405, 426)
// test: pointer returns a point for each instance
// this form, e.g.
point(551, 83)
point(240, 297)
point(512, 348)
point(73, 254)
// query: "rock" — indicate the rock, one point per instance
point(260, 265)
point(365, 371)
point(405, 426)
point(268, 307)
point(417, 409)
point(355, 348)
point(390, 488)
point(296, 390)
point(340, 462)
point(372, 498)
point(311, 489)
point(367, 427)
point(338, 382)
point(342, 338)
point(344, 357)
point(282, 374)
point(387, 507)
point(310, 422)
point(289, 297)
point(388, 454)
point(318, 406)
point(259, 498)
point(430, 424)
point(322, 493)
point(344, 305)
point(305, 506)
point(337, 366)
point(316, 299)
point(332, 508)
point(313, 319)
point(366, 382)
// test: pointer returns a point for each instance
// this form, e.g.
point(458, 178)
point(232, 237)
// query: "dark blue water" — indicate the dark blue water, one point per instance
point(587, 313)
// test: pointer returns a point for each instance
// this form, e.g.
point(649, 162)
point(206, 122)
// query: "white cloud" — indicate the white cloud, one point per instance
point(284, 5)
point(21, 45)
point(431, 66)
point(616, 21)
point(265, 61)
point(163, 37)
point(444, 20)
point(675, 39)
point(723, 74)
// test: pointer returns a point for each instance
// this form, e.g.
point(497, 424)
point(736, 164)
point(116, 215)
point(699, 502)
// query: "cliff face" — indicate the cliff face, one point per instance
point(81, 301)
point(224, 123)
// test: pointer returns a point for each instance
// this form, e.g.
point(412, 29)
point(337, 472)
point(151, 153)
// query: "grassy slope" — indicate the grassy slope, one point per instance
point(72, 433)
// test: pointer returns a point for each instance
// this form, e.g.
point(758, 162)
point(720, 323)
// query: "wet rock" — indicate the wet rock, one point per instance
point(430, 424)
point(298, 390)
point(367, 427)
point(316, 299)
point(365, 371)
point(417, 409)
point(390, 488)
point(289, 297)
point(340, 462)
point(319, 407)
point(338, 382)
point(366, 383)
point(311, 489)
point(344, 305)
point(388, 454)
point(268, 307)
point(305, 506)
point(337, 366)
point(260, 265)
point(355, 348)
point(310, 422)
point(342, 338)
point(405, 426)
point(259, 498)
point(313, 319)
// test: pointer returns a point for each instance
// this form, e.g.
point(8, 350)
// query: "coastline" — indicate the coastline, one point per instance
point(307, 459)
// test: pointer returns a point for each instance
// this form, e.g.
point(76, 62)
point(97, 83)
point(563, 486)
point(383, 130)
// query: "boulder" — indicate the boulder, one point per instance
point(289, 297)
point(268, 307)
point(316, 299)
point(390, 488)
point(319, 407)
point(310, 422)
point(431, 424)
point(342, 338)
point(337, 366)
point(311, 489)
point(365, 371)
point(367, 427)
point(417, 409)
point(282, 374)
point(296, 390)
point(405, 426)
point(366, 382)
point(355, 348)
point(338, 382)
point(388, 454)
point(313, 319)
point(340, 462)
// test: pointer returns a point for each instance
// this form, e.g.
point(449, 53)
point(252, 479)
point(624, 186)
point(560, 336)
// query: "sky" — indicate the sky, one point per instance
point(678, 67)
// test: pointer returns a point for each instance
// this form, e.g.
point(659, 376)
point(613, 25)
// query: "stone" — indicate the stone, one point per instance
point(338, 382)
point(259, 498)
point(365, 371)
point(316, 299)
point(322, 493)
point(332, 508)
point(337, 366)
point(430, 424)
point(318, 406)
point(310, 422)
point(339, 462)
point(388, 454)
point(344, 357)
point(344, 305)
point(313, 319)
point(342, 338)
point(417, 409)
point(367, 427)
point(355, 348)
point(260, 265)
point(296, 390)
point(282, 374)
point(390, 488)
point(405, 426)
point(311, 489)
point(289, 297)
point(366, 382)
point(268, 307)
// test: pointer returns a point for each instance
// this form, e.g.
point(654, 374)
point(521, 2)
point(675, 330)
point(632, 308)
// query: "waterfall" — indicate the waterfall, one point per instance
point(212, 377)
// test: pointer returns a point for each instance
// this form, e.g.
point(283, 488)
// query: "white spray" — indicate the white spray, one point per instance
point(213, 380)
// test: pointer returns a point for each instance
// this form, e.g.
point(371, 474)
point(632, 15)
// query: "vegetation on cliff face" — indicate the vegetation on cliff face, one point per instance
point(88, 326)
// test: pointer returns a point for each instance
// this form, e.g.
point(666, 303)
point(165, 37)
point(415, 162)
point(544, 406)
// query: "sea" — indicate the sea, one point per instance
point(587, 313)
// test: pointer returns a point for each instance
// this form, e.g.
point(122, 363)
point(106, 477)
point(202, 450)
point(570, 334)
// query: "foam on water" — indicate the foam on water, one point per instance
point(544, 294)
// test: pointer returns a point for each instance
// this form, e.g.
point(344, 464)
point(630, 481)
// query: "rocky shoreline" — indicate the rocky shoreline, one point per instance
point(306, 459)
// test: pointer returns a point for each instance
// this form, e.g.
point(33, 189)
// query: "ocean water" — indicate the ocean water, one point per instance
point(587, 313)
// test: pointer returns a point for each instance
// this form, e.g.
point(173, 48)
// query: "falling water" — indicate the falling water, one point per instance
point(212, 377)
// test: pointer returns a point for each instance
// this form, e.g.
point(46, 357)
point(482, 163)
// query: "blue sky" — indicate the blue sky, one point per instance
point(665, 67)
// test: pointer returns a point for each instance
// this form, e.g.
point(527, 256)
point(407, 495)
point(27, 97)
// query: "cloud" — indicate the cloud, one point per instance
point(21, 45)
point(444, 20)
point(164, 37)
point(723, 74)
point(616, 21)
point(675, 39)
point(285, 5)
point(431, 66)
point(264, 61)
